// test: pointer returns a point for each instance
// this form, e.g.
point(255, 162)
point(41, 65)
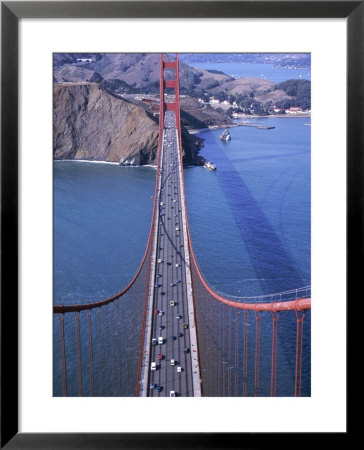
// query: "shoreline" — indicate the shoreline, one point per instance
point(239, 124)
point(102, 162)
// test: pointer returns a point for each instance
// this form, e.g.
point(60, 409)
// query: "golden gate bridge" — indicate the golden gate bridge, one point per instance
point(201, 342)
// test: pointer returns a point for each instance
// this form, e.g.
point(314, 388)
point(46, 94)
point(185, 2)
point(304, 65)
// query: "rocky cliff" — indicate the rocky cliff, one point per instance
point(92, 124)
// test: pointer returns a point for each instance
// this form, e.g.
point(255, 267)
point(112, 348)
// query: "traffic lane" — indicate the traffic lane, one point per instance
point(171, 380)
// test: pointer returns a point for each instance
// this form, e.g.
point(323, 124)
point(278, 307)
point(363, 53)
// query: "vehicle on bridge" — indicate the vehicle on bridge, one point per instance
point(153, 366)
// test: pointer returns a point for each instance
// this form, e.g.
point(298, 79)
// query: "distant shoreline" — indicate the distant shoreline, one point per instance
point(234, 125)
point(102, 162)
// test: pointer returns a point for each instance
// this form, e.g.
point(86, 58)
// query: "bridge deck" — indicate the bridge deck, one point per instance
point(171, 283)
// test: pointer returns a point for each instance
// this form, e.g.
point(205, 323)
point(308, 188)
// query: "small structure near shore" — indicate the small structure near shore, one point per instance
point(225, 136)
point(209, 165)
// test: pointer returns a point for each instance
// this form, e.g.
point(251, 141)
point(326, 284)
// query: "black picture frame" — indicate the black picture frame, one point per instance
point(11, 12)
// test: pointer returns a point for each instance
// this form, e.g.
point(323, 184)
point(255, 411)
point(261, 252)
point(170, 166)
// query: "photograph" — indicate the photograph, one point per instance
point(181, 224)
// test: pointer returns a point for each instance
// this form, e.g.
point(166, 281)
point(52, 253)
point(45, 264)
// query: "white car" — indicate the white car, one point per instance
point(173, 362)
point(153, 366)
point(161, 313)
point(179, 369)
point(160, 341)
point(160, 260)
point(172, 393)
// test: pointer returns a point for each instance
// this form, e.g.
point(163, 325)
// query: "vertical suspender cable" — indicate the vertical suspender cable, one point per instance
point(299, 348)
point(112, 319)
point(245, 355)
point(257, 352)
point(99, 350)
point(117, 328)
point(236, 352)
point(107, 358)
point(223, 350)
point(229, 354)
point(63, 354)
point(78, 351)
point(273, 383)
point(90, 353)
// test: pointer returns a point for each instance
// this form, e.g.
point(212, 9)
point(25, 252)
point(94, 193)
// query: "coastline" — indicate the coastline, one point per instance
point(239, 124)
point(102, 162)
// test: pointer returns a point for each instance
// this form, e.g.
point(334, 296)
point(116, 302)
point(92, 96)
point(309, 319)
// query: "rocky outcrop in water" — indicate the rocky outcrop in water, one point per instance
point(91, 124)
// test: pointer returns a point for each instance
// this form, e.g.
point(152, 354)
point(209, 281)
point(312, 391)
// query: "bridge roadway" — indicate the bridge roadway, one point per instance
point(171, 283)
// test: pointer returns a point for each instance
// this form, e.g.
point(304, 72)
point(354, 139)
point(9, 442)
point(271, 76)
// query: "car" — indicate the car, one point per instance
point(160, 260)
point(179, 334)
point(153, 366)
point(173, 362)
point(185, 350)
point(178, 281)
point(171, 303)
point(161, 327)
point(160, 340)
point(154, 341)
point(158, 275)
point(161, 313)
point(152, 386)
point(172, 284)
point(163, 293)
point(179, 369)
point(178, 316)
point(156, 312)
point(160, 356)
point(173, 338)
point(169, 263)
point(157, 285)
point(172, 393)
point(185, 326)
point(158, 388)
point(177, 265)
point(177, 228)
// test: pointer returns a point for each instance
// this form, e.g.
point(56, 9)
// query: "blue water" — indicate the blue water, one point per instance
point(253, 214)
point(102, 216)
point(264, 71)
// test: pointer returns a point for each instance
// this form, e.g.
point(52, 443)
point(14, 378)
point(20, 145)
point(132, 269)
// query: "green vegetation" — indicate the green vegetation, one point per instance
point(299, 90)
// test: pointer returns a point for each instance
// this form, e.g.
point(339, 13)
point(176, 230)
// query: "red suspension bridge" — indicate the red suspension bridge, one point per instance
point(191, 340)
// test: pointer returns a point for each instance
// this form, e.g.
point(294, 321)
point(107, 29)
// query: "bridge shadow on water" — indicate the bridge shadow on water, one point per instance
point(268, 254)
